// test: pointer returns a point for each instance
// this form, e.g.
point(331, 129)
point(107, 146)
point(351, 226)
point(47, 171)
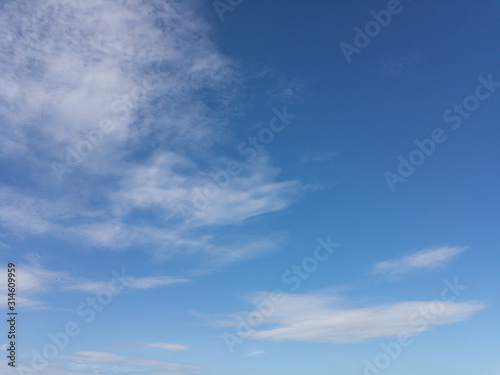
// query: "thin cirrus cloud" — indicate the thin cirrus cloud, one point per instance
point(32, 304)
point(34, 280)
point(322, 318)
point(140, 283)
point(166, 346)
point(88, 362)
point(70, 67)
point(433, 258)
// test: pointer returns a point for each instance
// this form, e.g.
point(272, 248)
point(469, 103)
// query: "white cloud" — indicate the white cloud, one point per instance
point(33, 279)
point(165, 346)
point(424, 259)
point(140, 283)
point(70, 66)
point(105, 361)
point(24, 303)
point(152, 70)
point(322, 157)
point(22, 214)
point(323, 318)
point(257, 352)
point(91, 363)
point(249, 194)
point(154, 282)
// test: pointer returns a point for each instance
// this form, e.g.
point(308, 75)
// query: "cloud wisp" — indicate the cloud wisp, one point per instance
point(324, 318)
point(34, 280)
point(434, 258)
point(166, 346)
point(88, 362)
point(150, 74)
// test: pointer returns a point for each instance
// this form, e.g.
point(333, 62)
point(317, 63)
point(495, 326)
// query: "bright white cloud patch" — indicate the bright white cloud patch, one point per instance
point(113, 110)
point(323, 318)
point(423, 259)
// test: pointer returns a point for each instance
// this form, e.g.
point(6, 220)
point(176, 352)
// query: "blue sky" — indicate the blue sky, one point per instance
point(219, 187)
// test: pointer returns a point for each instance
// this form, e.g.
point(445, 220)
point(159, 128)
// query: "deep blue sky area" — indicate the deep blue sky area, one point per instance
point(250, 187)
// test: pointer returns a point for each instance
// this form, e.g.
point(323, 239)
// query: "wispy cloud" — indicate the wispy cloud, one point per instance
point(33, 280)
point(402, 63)
point(165, 346)
point(104, 363)
point(433, 258)
point(314, 163)
point(151, 69)
point(26, 303)
point(322, 157)
point(324, 318)
point(140, 283)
